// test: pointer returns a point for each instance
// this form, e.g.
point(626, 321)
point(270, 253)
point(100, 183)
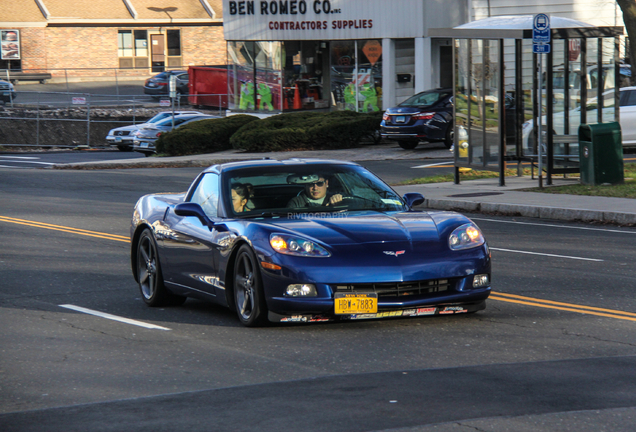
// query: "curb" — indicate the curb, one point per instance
point(554, 213)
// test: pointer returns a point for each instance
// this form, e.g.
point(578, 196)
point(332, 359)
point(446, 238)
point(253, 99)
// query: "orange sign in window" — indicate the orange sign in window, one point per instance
point(373, 50)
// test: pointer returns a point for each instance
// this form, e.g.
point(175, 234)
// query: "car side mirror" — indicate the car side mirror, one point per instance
point(193, 209)
point(413, 199)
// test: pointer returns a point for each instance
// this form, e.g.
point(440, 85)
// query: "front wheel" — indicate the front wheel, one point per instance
point(248, 289)
point(408, 145)
point(153, 291)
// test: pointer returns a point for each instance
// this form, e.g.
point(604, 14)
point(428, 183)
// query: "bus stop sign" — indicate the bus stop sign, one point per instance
point(541, 36)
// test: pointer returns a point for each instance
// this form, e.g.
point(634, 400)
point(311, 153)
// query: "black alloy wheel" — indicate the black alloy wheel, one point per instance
point(248, 289)
point(149, 276)
point(450, 136)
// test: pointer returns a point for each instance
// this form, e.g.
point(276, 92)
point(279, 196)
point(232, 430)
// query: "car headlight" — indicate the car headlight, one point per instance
point(465, 237)
point(292, 245)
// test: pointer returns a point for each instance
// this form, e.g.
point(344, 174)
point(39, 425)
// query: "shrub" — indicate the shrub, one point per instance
point(307, 130)
point(204, 136)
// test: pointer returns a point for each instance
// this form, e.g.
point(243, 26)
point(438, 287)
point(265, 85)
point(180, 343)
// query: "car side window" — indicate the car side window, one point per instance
point(206, 194)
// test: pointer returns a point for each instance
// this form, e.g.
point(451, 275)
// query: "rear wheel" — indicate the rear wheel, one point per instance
point(408, 145)
point(153, 291)
point(248, 289)
point(450, 136)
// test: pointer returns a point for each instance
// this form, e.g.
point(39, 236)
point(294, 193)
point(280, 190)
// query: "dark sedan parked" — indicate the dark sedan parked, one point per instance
point(159, 84)
point(306, 241)
point(425, 116)
point(7, 91)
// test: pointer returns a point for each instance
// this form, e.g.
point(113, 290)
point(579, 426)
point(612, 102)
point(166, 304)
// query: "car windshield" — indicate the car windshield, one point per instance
point(159, 117)
point(177, 120)
point(313, 188)
point(424, 99)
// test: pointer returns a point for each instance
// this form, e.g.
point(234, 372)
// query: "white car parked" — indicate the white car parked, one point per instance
point(122, 136)
point(627, 103)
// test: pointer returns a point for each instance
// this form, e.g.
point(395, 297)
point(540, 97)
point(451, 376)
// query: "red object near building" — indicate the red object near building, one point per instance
point(208, 86)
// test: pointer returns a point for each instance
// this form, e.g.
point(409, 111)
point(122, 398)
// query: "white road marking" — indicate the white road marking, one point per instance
point(26, 161)
point(432, 165)
point(20, 157)
point(557, 226)
point(113, 317)
point(546, 254)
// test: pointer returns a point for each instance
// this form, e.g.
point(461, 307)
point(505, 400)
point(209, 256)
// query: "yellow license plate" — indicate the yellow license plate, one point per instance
point(346, 304)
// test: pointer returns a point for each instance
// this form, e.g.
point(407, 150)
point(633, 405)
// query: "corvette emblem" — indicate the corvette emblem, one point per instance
point(395, 253)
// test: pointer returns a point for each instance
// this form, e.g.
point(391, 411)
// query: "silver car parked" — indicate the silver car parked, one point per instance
point(144, 138)
point(122, 136)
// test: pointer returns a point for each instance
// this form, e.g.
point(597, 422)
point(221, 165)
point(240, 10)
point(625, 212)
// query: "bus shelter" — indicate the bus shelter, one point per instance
point(497, 90)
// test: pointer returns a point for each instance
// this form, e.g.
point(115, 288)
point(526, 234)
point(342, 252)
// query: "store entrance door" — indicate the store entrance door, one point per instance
point(157, 52)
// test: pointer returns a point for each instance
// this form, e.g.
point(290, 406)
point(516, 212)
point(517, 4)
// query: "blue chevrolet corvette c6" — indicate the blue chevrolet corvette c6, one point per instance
point(306, 241)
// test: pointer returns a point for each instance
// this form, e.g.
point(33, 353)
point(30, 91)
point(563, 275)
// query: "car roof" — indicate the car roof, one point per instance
point(266, 162)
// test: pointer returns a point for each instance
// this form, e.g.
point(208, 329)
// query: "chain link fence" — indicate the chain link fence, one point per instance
point(72, 108)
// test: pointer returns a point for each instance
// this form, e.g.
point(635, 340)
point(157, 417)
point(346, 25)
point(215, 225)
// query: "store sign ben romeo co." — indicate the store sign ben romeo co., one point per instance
point(299, 19)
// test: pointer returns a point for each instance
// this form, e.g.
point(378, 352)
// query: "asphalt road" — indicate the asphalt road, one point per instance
point(553, 351)
point(392, 171)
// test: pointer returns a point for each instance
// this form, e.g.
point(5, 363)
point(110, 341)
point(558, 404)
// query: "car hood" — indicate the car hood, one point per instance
point(130, 128)
point(367, 228)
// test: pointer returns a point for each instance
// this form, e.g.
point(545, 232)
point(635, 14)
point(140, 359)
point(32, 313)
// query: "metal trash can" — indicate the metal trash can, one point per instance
point(601, 153)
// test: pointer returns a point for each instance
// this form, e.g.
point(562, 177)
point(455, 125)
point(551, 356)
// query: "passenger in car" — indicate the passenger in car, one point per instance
point(315, 192)
point(240, 196)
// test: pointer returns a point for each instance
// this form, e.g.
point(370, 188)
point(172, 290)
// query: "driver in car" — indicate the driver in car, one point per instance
point(315, 193)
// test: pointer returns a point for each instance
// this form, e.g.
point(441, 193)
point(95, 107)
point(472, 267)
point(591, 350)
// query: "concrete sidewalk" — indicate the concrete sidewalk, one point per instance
point(477, 196)
point(486, 196)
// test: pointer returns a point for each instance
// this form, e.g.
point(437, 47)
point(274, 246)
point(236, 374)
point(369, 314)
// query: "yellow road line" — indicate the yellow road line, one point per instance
point(65, 229)
point(510, 298)
point(548, 304)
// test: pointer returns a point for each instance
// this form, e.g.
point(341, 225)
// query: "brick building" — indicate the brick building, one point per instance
point(98, 37)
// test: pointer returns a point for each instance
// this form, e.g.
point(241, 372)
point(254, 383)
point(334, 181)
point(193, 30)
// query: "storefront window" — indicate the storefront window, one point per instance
point(356, 75)
point(124, 43)
point(254, 76)
point(141, 43)
point(304, 65)
point(174, 42)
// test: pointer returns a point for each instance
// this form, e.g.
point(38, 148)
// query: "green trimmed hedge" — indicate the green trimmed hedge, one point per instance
point(307, 131)
point(203, 136)
point(292, 131)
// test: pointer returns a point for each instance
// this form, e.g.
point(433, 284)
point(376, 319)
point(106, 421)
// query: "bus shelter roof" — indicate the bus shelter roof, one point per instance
point(520, 27)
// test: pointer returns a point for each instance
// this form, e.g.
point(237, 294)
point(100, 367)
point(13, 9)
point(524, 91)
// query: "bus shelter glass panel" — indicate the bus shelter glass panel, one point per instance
point(559, 89)
point(461, 101)
point(268, 76)
point(241, 92)
point(510, 96)
point(491, 101)
point(527, 137)
point(608, 104)
point(476, 104)
point(591, 81)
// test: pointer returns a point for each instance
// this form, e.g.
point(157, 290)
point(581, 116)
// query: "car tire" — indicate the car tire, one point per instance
point(149, 276)
point(124, 148)
point(249, 297)
point(408, 145)
point(450, 136)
